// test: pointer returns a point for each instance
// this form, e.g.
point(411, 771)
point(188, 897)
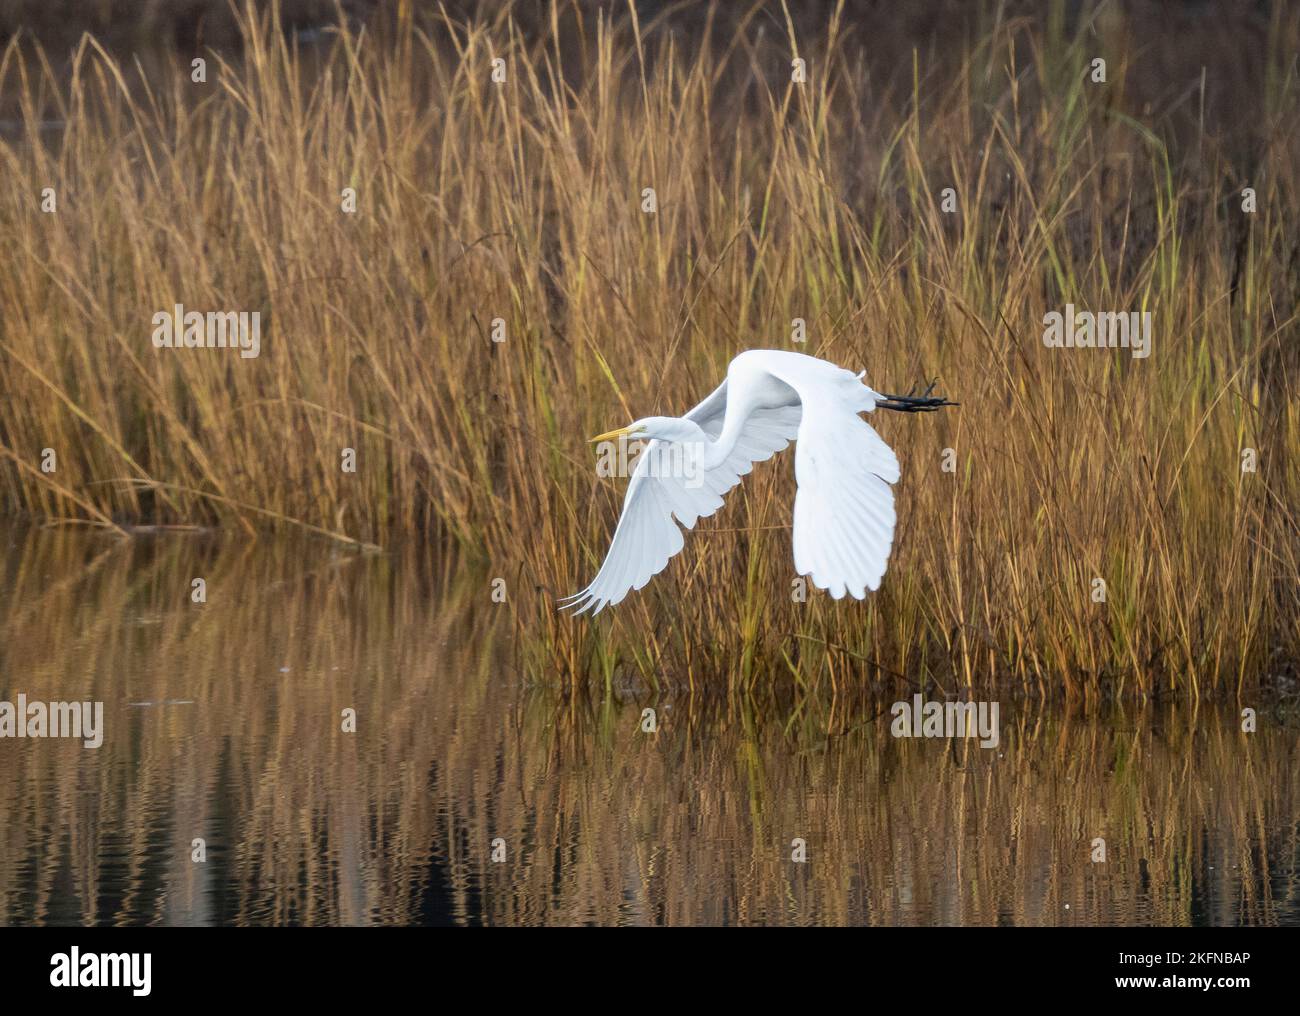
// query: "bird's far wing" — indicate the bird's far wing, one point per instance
point(647, 536)
point(844, 509)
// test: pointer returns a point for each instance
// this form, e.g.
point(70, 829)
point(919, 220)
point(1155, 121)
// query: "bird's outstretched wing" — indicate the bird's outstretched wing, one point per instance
point(844, 510)
point(647, 536)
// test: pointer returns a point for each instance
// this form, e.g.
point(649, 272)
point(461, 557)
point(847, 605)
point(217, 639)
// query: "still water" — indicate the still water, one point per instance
point(223, 740)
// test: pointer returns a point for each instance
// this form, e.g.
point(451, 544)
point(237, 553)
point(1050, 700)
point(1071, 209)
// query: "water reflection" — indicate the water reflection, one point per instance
point(224, 723)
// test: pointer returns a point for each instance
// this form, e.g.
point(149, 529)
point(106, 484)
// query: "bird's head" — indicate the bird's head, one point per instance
point(662, 428)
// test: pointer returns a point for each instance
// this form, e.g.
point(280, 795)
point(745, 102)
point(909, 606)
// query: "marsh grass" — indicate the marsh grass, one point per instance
point(522, 201)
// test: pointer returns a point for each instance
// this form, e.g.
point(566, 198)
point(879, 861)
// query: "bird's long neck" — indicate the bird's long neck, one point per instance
point(716, 452)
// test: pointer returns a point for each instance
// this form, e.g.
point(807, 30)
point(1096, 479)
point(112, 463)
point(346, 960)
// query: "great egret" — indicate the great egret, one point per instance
point(843, 512)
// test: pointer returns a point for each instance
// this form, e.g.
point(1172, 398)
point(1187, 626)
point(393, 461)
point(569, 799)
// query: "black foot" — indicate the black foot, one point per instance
point(912, 403)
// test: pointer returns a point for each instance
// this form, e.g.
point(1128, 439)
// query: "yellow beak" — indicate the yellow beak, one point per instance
point(611, 435)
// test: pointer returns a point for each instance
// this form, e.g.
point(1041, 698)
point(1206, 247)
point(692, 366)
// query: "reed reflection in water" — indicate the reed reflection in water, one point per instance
point(224, 722)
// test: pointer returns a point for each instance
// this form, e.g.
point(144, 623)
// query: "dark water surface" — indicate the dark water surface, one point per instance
point(223, 723)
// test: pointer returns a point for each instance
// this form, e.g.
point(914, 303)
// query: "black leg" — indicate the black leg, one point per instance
point(911, 403)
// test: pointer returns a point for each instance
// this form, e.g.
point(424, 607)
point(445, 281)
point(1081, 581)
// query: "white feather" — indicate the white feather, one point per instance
point(844, 509)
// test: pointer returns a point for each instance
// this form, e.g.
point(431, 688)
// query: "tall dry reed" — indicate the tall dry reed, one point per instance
point(522, 201)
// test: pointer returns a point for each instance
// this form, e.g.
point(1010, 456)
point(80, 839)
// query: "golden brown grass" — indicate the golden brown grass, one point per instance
point(522, 201)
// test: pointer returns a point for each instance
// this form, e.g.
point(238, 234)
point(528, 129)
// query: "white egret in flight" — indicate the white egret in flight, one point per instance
point(843, 512)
